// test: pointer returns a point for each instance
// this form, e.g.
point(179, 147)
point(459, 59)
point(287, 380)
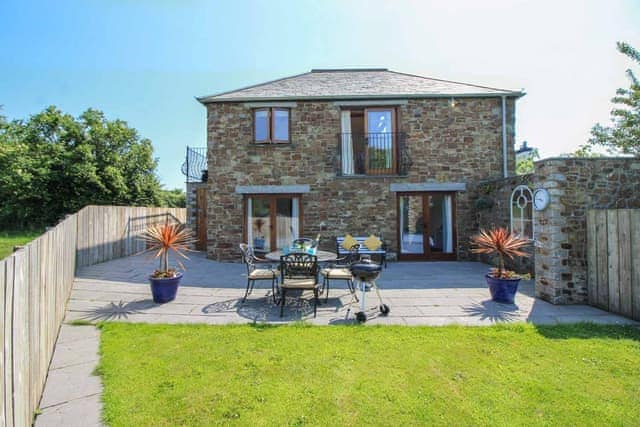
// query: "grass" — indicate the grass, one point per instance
point(165, 375)
point(9, 239)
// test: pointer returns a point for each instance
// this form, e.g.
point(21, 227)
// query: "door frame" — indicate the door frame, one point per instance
point(427, 255)
point(272, 214)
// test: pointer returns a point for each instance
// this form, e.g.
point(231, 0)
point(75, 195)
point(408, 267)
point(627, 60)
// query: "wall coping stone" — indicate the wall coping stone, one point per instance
point(429, 186)
point(272, 189)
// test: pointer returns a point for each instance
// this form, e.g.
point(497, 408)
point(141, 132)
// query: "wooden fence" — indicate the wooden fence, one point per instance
point(613, 260)
point(35, 284)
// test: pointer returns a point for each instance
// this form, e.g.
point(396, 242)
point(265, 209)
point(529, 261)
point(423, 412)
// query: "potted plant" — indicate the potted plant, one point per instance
point(503, 283)
point(162, 239)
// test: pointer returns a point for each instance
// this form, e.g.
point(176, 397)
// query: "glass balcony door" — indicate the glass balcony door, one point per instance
point(426, 226)
point(380, 146)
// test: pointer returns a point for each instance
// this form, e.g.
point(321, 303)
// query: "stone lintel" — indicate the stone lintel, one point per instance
point(272, 189)
point(429, 186)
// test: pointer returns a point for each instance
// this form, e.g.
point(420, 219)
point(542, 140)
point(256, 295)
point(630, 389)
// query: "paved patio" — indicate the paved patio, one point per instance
point(435, 293)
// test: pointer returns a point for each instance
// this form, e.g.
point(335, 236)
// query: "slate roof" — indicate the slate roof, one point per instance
point(343, 84)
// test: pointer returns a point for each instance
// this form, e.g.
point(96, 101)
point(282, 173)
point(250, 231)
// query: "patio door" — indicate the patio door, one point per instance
point(426, 226)
point(272, 221)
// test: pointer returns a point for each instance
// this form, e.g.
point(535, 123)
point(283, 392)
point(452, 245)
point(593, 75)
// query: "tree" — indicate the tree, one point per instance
point(524, 165)
point(623, 136)
point(54, 164)
point(175, 198)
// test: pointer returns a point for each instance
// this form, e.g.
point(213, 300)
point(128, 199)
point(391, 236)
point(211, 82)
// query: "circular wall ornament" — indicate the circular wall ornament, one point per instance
point(541, 199)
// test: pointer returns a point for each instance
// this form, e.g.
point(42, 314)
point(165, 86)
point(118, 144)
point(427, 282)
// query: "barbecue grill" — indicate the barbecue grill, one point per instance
point(366, 272)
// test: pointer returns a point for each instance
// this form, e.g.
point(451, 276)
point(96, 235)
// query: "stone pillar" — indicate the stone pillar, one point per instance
point(552, 271)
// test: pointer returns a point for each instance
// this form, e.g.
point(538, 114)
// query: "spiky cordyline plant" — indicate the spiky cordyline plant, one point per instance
point(502, 242)
point(162, 238)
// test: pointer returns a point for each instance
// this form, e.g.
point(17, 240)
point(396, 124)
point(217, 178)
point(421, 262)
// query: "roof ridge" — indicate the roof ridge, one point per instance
point(337, 70)
point(452, 81)
point(201, 98)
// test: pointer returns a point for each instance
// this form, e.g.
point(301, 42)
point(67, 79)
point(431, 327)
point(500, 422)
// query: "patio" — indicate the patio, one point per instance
point(434, 293)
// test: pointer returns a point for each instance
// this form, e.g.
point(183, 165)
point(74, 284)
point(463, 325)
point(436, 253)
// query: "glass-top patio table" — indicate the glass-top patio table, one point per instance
point(323, 256)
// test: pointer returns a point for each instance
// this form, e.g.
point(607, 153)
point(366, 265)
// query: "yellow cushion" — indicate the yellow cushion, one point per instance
point(349, 242)
point(372, 243)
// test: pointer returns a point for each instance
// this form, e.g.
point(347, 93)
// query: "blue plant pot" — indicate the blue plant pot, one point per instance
point(164, 290)
point(503, 290)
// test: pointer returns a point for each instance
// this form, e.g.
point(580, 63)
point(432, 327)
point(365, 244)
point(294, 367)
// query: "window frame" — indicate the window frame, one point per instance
point(522, 190)
point(271, 126)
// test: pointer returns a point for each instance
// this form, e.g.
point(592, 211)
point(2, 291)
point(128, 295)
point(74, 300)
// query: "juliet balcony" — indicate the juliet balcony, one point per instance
point(372, 154)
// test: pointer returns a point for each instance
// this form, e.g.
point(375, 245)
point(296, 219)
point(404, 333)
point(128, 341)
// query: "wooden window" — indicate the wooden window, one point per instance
point(271, 125)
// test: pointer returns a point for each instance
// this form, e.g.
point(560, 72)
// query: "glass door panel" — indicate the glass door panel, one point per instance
point(287, 223)
point(411, 225)
point(259, 223)
point(440, 224)
point(380, 147)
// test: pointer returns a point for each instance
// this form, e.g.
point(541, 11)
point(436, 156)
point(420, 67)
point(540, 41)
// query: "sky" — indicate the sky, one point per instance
point(144, 61)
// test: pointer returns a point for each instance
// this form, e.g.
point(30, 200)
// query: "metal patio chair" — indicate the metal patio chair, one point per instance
point(255, 273)
point(340, 271)
point(299, 271)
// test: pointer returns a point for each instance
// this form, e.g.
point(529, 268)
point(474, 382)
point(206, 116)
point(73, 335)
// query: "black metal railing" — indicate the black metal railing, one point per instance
point(374, 153)
point(195, 164)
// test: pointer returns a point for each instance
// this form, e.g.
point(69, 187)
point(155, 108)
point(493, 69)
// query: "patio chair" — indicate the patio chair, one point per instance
point(340, 271)
point(255, 273)
point(299, 271)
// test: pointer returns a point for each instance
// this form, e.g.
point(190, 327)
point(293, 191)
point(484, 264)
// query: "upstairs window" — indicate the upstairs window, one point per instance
point(271, 126)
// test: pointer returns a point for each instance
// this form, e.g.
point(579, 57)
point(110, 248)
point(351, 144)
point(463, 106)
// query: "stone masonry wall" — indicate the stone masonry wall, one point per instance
point(576, 185)
point(459, 144)
point(492, 200)
point(192, 188)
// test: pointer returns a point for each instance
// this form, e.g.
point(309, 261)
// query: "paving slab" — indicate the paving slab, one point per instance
point(72, 393)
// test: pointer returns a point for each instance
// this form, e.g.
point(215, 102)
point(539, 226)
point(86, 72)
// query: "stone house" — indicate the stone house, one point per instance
point(359, 151)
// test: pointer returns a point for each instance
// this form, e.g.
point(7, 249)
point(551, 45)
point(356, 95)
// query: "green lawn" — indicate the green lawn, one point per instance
point(9, 239)
point(165, 375)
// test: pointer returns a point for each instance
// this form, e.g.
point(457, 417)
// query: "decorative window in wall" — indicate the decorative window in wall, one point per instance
point(522, 212)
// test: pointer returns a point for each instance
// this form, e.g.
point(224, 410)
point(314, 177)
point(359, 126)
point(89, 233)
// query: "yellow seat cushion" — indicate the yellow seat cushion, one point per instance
point(349, 242)
point(373, 243)
point(337, 273)
point(299, 283)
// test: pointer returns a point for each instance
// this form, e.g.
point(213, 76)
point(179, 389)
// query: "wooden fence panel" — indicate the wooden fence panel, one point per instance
point(613, 258)
point(635, 263)
point(20, 340)
point(8, 340)
point(35, 284)
point(3, 404)
point(592, 256)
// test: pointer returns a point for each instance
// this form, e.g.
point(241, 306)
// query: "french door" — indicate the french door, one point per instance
point(272, 221)
point(426, 226)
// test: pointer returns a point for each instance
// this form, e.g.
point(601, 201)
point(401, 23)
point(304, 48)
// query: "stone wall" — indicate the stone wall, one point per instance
point(446, 144)
point(575, 185)
point(492, 199)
